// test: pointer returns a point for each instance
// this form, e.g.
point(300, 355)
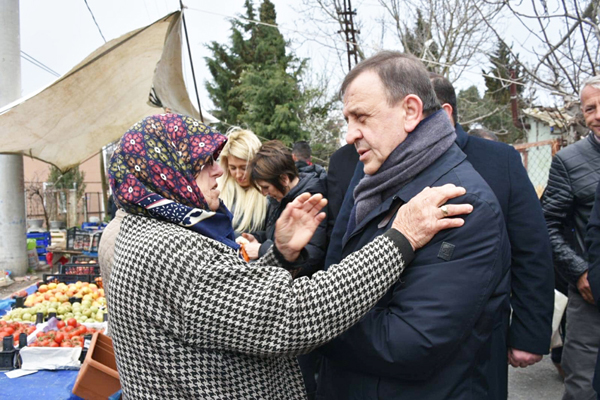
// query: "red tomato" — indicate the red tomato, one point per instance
point(40, 334)
point(59, 337)
point(53, 344)
point(72, 322)
point(66, 344)
point(82, 329)
point(9, 331)
point(69, 328)
point(30, 330)
point(60, 324)
point(3, 334)
point(45, 343)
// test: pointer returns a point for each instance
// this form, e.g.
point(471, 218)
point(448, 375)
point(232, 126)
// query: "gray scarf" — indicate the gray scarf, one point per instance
point(430, 139)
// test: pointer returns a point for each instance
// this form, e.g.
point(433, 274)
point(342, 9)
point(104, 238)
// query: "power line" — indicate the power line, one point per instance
point(94, 18)
point(38, 64)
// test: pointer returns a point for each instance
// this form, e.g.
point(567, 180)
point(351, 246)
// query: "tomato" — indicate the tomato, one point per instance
point(61, 324)
point(45, 343)
point(66, 344)
point(69, 328)
point(59, 337)
point(3, 334)
point(9, 331)
point(40, 334)
point(72, 322)
point(30, 330)
point(53, 344)
point(82, 329)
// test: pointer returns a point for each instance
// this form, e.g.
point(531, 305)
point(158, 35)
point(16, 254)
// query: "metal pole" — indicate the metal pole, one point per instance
point(13, 228)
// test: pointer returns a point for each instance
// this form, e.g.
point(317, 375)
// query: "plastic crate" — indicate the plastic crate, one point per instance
point(98, 377)
point(79, 269)
point(65, 278)
point(78, 239)
point(95, 242)
point(79, 259)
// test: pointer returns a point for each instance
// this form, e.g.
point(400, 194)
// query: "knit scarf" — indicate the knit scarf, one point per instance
point(425, 144)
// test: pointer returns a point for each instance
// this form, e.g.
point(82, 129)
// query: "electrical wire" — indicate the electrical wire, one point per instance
point(94, 18)
point(38, 64)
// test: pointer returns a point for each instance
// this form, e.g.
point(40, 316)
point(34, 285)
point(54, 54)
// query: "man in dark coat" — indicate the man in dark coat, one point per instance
point(341, 169)
point(532, 275)
point(592, 242)
point(431, 335)
point(568, 200)
point(302, 155)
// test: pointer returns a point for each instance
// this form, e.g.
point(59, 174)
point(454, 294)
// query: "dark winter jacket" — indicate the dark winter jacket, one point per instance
point(592, 241)
point(311, 183)
point(431, 335)
point(568, 200)
point(304, 167)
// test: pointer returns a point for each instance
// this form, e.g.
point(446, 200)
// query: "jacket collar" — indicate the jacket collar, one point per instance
point(450, 159)
point(462, 137)
point(595, 143)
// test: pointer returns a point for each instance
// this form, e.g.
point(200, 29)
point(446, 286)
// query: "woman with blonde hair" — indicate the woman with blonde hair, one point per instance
point(244, 200)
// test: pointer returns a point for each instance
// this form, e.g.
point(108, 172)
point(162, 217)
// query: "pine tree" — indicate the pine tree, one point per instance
point(255, 82)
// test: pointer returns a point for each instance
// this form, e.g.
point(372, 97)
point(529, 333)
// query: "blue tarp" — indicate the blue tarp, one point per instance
point(41, 385)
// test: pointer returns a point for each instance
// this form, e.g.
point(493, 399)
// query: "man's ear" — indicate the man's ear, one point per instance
point(448, 108)
point(413, 108)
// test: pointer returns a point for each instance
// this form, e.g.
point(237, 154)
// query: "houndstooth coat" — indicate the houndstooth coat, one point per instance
point(191, 320)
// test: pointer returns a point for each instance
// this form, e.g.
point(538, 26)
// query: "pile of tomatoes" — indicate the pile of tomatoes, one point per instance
point(69, 333)
point(14, 329)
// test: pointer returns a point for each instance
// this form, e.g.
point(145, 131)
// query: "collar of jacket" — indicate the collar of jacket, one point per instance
point(595, 143)
point(462, 137)
point(451, 158)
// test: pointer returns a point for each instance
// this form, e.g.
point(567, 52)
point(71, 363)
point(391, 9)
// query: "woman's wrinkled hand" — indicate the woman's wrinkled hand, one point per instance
point(426, 214)
point(297, 224)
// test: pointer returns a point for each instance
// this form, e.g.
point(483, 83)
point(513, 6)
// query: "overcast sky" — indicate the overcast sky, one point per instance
point(61, 33)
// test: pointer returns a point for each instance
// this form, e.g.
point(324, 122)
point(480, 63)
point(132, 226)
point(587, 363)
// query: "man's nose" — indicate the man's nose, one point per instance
point(353, 134)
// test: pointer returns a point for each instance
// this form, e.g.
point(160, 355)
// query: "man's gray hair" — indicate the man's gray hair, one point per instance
point(593, 81)
point(401, 74)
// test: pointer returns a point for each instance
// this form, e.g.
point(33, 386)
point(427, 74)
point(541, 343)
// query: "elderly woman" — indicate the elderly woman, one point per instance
point(190, 317)
point(244, 200)
point(274, 172)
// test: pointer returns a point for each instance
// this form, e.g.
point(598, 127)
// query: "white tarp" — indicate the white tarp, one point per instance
point(100, 98)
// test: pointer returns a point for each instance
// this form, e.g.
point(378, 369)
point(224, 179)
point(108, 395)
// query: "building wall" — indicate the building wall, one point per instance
point(36, 172)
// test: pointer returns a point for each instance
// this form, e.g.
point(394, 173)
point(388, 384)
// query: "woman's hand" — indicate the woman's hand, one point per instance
point(422, 217)
point(252, 246)
point(297, 224)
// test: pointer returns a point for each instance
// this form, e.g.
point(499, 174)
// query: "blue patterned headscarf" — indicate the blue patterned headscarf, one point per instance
point(153, 173)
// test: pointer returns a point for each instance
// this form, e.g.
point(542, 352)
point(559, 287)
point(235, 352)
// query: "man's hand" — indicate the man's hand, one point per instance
point(522, 359)
point(422, 217)
point(252, 246)
point(297, 224)
point(584, 288)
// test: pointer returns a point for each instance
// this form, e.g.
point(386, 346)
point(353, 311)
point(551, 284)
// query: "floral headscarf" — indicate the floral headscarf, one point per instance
point(153, 173)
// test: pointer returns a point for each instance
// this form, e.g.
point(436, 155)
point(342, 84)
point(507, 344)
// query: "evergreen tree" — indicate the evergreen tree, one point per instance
point(255, 82)
point(419, 42)
point(502, 62)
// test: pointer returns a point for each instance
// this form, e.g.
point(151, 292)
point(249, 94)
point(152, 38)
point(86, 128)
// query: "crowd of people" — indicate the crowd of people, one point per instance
point(419, 265)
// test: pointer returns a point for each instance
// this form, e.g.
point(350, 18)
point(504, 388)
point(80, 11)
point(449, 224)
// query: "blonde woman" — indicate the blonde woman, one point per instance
point(244, 200)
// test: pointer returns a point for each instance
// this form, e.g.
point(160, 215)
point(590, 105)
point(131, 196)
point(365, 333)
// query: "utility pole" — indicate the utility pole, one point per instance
point(13, 240)
point(350, 33)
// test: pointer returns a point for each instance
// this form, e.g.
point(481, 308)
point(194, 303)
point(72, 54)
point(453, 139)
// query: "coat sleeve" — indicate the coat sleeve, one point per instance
point(558, 204)
point(592, 241)
point(260, 310)
point(532, 273)
point(435, 307)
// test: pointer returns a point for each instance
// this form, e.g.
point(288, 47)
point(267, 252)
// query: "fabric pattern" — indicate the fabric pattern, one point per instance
point(192, 321)
point(153, 173)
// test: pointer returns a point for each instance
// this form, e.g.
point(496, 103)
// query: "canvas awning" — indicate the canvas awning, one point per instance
point(100, 98)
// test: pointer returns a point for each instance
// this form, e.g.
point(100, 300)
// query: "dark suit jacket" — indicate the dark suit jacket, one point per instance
point(592, 241)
